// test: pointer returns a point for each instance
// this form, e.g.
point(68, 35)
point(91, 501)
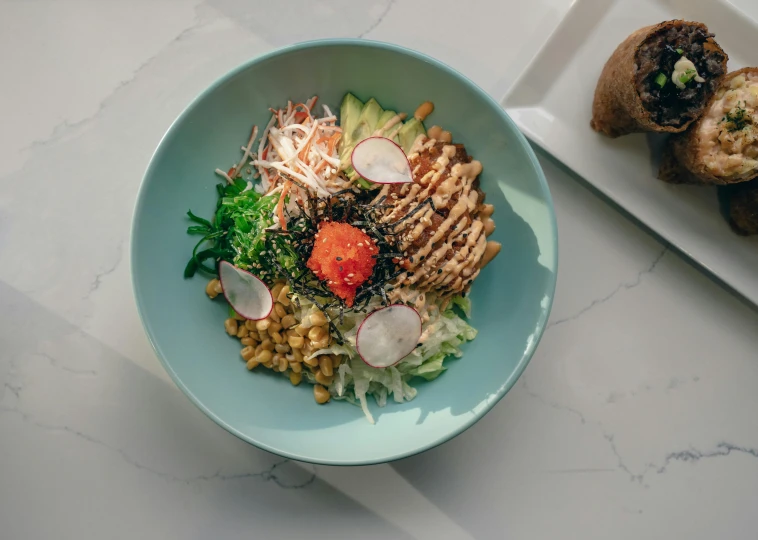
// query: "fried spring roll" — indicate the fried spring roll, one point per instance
point(721, 147)
point(659, 79)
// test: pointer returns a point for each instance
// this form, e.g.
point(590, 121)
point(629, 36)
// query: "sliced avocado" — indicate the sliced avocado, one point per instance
point(367, 121)
point(384, 118)
point(350, 111)
point(360, 121)
point(408, 133)
point(363, 128)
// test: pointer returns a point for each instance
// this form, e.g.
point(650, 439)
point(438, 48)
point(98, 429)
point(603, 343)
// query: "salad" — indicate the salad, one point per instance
point(345, 247)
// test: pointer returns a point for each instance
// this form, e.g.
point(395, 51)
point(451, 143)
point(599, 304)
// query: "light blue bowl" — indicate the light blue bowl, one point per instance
point(511, 298)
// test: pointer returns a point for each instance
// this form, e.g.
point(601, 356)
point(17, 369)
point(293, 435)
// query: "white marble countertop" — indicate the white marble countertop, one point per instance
point(635, 419)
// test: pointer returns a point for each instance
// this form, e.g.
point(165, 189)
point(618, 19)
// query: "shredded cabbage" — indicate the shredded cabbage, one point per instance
point(442, 335)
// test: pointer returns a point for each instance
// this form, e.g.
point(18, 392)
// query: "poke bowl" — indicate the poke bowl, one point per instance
point(344, 252)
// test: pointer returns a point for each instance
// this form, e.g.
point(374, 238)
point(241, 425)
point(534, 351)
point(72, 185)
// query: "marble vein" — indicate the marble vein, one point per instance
point(267, 475)
point(620, 460)
point(581, 471)
point(621, 287)
point(13, 389)
point(54, 362)
point(61, 130)
point(722, 449)
point(379, 20)
point(95, 285)
point(549, 403)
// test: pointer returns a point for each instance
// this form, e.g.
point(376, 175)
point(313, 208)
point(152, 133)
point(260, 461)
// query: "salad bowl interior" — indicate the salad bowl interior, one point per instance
point(511, 298)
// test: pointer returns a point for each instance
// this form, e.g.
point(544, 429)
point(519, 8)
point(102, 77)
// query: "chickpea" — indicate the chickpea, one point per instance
point(231, 327)
point(434, 132)
point(322, 344)
point(325, 364)
point(263, 324)
point(295, 378)
point(210, 289)
point(282, 297)
point(264, 357)
point(321, 394)
point(424, 110)
point(252, 364)
point(318, 318)
point(288, 321)
point(316, 333)
point(323, 379)
point(247, 353)
point(276, 289)
point(313, 362)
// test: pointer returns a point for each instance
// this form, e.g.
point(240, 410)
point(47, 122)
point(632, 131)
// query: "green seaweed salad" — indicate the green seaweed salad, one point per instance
point(237, 233)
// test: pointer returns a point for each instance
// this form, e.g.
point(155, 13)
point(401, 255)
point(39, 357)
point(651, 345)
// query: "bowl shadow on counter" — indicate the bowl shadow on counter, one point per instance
point(150, 431)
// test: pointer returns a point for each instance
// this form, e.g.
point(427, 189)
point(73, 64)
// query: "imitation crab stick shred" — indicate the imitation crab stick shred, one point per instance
point(301, 147)
point(280, 204)
point(343, 257)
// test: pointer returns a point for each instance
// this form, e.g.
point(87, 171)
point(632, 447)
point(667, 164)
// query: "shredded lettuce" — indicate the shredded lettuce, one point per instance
point(442, 336)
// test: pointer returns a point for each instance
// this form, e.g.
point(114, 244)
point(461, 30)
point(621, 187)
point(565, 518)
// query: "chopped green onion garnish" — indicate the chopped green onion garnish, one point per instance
point(687, 76)
point(660, 80)
point(680, 51)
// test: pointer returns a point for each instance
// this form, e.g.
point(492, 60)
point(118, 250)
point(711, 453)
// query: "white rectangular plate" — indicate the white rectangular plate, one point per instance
point(551, 103)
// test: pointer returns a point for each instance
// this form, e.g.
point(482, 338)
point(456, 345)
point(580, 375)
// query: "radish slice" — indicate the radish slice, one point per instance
point(247, 294)
point(388, 335)
point(381, 161)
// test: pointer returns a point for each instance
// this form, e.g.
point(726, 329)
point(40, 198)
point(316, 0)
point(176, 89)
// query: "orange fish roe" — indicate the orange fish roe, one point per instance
point(342, 255)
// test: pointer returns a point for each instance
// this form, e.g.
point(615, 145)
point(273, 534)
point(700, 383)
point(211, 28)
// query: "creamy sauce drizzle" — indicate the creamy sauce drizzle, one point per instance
point(464, 248)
